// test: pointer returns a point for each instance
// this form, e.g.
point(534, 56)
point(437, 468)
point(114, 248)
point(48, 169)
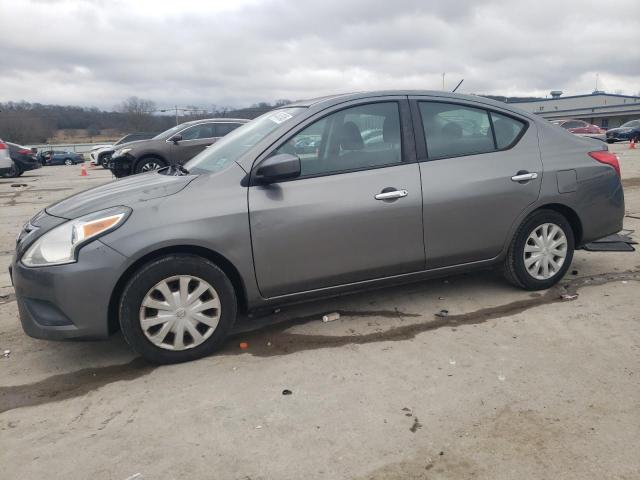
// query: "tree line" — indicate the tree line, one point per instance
point(25, 122)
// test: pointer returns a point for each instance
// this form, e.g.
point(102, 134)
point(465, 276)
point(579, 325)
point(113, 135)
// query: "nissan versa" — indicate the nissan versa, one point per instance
point(440, 183)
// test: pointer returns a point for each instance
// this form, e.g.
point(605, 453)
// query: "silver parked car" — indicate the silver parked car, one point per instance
point(450, 183)
point(6, 164)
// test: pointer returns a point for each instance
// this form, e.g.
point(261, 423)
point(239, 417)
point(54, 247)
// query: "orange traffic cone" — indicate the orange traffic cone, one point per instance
point(632, 144)
point(83, 171)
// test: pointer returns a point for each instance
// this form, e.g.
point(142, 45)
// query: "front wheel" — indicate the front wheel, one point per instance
point(541, 251)
point(68, 161)
point(149, 164)
point(104, 161)
point(177, 308)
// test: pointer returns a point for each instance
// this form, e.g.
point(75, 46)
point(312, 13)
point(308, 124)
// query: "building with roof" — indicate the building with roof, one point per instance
point(607, 110)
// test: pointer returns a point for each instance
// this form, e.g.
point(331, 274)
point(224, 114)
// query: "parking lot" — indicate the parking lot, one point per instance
point(510, 384)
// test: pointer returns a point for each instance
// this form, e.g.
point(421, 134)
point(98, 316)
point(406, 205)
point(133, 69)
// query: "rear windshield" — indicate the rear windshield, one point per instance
point(232, 146)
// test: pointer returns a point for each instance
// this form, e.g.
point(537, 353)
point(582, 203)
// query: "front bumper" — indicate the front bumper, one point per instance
point(68, 301)
point(122, 166)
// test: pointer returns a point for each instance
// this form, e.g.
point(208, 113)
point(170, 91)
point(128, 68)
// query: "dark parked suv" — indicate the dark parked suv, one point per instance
point(629, 131)
point(174, 146)
point(451, 183)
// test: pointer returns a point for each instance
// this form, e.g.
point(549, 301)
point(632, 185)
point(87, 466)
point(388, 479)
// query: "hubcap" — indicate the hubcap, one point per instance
point(545, 251)
point(68, 162)
point(147, 167)
point(180, 312)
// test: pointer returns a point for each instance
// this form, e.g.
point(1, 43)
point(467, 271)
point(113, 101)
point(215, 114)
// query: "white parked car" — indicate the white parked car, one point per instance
point(5, 159)
point(102, 154)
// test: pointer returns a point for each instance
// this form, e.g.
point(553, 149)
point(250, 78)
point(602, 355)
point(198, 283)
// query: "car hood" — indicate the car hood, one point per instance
point(137, 143)
point(128, 191)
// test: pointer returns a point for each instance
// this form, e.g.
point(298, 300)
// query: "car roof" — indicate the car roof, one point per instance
point(217, 120)
point(330, 100)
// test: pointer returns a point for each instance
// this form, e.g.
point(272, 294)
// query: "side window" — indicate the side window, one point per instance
point(204, 130)
point(506, 129)
point(366, 136)
point(454, 130)
point(221, 129)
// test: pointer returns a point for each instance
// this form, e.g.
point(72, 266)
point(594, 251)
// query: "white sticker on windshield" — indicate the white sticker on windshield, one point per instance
point(280, 117)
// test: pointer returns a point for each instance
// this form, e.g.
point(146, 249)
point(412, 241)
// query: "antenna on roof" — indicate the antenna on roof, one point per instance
point(460, 83)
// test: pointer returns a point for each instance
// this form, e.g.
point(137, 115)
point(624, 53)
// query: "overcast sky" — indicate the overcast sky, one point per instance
point(233, 52)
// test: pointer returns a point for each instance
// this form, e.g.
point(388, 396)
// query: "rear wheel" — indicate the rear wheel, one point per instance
point(541, 251)
point(149, 164)
point(13, 172)
point(177, 308)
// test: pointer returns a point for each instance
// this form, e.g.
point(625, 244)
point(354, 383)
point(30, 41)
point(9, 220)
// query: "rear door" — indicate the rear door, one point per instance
point(194, 139)
point(354, 213)
point(480, 169)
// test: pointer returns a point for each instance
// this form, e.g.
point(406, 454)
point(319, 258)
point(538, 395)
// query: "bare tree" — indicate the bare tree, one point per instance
point(138, 112)
point(23, 126)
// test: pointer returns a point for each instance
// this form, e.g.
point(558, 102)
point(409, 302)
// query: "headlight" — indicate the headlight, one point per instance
point(122, 151)
point(59, 245)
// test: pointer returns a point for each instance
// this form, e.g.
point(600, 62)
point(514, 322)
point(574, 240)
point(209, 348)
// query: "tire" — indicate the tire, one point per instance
point(104, 161)
point(150, 163)
point(140, 287)
point(610, 141)
point(515, 269)
point(13, 172)
point(68, 161)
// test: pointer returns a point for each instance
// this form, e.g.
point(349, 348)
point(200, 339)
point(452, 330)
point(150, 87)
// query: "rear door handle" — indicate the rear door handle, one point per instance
point(524, 176)
point(391, 195)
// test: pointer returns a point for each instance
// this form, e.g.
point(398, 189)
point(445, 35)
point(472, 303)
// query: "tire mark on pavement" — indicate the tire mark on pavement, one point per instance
point(69, 385)
point(273, 340)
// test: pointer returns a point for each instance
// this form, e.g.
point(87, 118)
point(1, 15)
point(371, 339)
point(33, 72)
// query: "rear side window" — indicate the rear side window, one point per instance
point(507, 129)
point(453, 130)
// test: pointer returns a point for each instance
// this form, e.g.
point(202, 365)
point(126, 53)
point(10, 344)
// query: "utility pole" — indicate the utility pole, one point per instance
point(176, 115)
point(443, 74)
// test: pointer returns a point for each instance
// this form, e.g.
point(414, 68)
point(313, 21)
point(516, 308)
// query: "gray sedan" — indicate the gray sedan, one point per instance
point(450, 183)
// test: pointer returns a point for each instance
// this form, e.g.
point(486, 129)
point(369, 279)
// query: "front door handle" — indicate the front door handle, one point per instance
point(391, 195)
point(524, 176)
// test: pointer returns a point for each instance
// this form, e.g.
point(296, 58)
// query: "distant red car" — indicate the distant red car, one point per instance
point(579, 126)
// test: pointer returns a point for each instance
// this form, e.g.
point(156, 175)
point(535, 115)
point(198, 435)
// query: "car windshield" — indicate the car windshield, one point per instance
point(232, 146)
point(631, 124)
point(168, 133)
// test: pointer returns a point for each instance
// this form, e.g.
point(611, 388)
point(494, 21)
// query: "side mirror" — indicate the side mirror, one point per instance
point(176, 138)
point(279, 167)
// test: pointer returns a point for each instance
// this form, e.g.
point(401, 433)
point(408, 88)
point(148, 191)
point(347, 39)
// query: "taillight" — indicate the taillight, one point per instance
point(25, 151)
point(3, 146)
point(607, 158)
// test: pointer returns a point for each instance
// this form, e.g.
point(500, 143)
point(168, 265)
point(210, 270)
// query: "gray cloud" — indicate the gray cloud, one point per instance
point(235, 53)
